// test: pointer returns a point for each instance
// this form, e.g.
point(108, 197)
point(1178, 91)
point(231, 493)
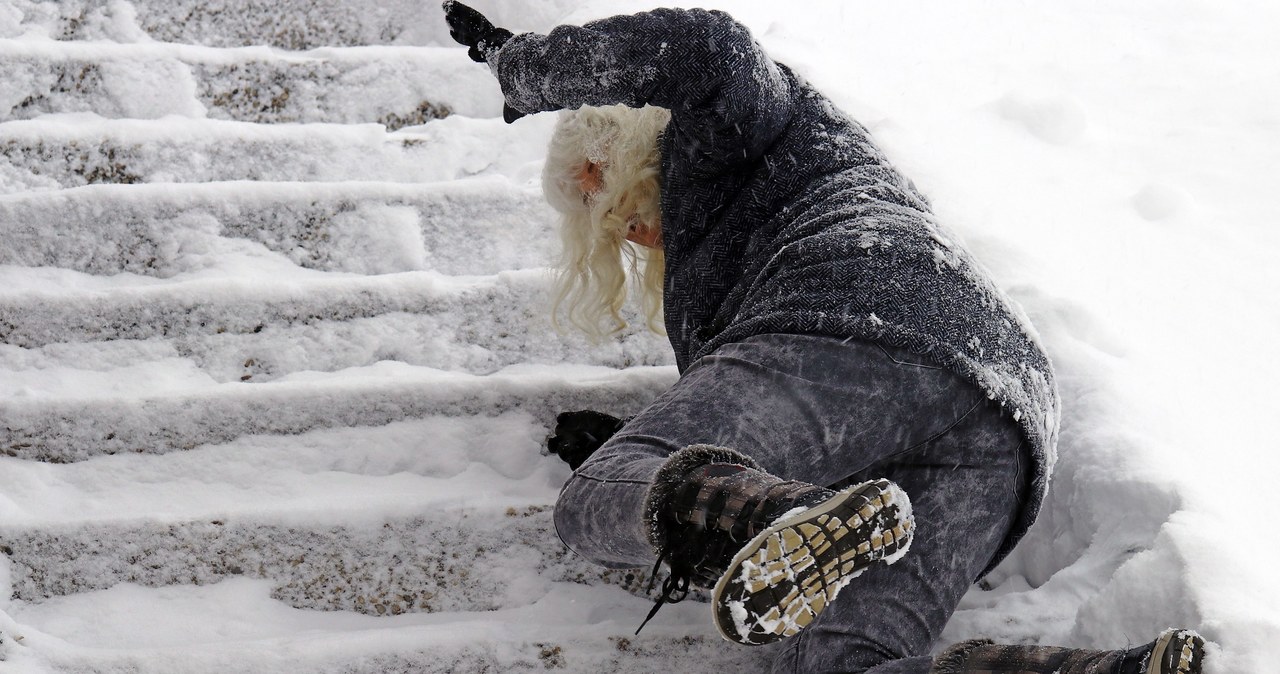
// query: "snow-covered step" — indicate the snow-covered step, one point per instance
point(477, 226)
point(287, 24)
point(427, 515)
point(144, 308)
point(343, 475)
point(393, 86)
point(71, 428)
point(443, 559)
point(476, 310)
point(484, 338)
point(235, 626)
point(473, 343)
point(70, 150)
point(162, 338)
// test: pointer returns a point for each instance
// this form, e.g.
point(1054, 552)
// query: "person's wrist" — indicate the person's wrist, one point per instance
point(494, 39)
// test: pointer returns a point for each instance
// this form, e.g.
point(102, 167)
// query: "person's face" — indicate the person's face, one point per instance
point(591, 181)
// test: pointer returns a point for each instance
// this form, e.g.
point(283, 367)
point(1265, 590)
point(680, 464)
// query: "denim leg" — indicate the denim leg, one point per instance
point(966, 488)
point(805, 407)
point(828, 411)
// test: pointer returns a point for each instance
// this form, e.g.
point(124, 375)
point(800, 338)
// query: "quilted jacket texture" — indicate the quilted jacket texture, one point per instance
point(781, 215)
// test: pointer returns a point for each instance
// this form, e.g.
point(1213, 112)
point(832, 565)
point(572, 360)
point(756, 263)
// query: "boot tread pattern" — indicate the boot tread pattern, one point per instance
point(784, 578)
point(1177, 652)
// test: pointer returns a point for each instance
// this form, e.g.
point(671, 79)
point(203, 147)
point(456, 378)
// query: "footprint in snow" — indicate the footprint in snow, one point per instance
point(1159, 202)
point(1053, 118)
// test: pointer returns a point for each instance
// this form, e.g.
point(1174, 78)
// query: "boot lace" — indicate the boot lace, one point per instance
point(695, 558)
point(675, 587)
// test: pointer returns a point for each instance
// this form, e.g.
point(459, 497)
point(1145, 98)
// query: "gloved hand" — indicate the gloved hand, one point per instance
point(471, 28)
point(579, 434)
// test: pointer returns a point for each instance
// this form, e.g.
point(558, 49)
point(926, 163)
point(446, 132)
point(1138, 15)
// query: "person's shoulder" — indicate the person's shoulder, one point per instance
point(693, 22)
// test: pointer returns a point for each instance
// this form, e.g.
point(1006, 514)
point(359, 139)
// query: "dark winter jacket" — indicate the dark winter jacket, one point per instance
point(779, 214)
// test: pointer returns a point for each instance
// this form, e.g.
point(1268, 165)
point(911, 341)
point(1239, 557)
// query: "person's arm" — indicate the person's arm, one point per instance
point(726, 96)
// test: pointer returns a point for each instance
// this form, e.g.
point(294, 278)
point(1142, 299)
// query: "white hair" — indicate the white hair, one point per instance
point(591, 282)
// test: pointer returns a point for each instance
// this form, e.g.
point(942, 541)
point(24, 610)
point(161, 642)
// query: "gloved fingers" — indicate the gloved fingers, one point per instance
point(466, 25)
point(573, 441)
point(571, 454)
point(583, 417)
point(579, 434)
point(568, 421)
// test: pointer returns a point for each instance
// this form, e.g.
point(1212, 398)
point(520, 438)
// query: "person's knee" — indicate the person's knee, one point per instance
point(568, 514)
point(601, 521)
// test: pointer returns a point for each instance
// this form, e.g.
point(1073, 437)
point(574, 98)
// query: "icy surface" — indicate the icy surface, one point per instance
point(318, 347)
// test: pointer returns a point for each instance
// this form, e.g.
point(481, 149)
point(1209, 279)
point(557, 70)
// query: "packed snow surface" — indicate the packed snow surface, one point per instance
point(276, 373)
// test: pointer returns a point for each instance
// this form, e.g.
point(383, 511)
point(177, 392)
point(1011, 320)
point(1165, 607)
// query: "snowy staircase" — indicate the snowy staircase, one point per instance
point(275, 368)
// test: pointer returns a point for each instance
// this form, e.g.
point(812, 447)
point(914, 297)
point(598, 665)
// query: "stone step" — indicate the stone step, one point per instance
point(161, 366)
point(498, 314)
point(435, 524)
point(69, 428)
point(59, 151)
point(275, 371)
point(425, 516)
point(33, 316)
point(443, 559)
point(342, 475)
point(285, 24)
point(392, 86)
point(488, 338)
point(234, 626)
point(475, 226)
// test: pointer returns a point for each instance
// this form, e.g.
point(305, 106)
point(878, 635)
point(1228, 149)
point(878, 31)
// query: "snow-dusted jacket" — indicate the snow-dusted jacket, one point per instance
point(779, 214)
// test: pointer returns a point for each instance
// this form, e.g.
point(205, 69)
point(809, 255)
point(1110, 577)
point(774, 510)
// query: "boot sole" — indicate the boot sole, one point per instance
point(784, 577)
point(1177, 652)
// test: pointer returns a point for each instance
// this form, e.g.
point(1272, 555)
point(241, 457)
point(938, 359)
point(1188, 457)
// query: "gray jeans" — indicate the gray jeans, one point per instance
point(829, 412)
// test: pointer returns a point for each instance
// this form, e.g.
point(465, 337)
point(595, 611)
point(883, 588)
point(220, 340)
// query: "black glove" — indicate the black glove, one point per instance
point(578, 434)
point(471, 28)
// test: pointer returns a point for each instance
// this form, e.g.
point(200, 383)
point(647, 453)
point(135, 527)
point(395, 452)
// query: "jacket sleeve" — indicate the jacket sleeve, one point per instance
point(727, 98)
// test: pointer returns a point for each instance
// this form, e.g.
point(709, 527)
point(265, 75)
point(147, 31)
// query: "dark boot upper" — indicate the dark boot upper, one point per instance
point(719, 507)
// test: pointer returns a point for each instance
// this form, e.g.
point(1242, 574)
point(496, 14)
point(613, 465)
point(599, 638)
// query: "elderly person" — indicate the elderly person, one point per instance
point(859, 408)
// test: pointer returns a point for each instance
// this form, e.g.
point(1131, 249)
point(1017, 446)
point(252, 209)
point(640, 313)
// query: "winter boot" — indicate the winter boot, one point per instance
point(776, 551)
point(1173, 652)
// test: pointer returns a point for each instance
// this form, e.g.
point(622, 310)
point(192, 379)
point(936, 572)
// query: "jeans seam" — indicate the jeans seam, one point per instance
point(605, 480)
point(1018, 480)
point(795, 650)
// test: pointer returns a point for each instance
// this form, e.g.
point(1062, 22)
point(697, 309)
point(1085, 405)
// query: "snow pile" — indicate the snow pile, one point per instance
point(1100, 164)
point(311, 327)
